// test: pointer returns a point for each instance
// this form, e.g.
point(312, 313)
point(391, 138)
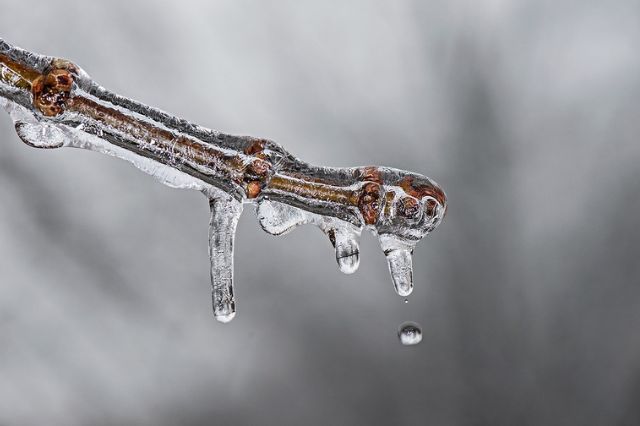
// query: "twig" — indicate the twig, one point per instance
point(54, 103)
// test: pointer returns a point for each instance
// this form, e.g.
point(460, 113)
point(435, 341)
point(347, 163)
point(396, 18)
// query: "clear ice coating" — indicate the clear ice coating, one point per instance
point(410, 333)
point(54, 104)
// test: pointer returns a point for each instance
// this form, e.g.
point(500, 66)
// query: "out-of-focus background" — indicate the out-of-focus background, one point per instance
point(526, 112)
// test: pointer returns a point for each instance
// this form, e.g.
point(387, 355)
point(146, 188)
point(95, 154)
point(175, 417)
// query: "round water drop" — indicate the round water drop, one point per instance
point(410, 333)
point(406, 300)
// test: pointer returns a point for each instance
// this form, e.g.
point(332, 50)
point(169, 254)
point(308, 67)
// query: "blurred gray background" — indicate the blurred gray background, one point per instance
point(526, 112)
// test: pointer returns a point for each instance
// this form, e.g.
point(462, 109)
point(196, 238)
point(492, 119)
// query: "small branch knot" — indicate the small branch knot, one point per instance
point(51, 91)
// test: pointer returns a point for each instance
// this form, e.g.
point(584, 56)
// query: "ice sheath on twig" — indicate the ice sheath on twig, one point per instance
point(54, 103)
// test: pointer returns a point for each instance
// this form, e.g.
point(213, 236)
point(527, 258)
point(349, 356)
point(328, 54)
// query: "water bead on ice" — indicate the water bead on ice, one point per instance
point(410, 333)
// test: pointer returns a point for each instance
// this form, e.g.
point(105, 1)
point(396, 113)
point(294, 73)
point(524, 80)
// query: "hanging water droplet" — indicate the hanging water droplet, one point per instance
point(410, 333)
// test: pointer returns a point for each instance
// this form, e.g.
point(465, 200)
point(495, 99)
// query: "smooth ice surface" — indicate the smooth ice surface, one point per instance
point(410, 333)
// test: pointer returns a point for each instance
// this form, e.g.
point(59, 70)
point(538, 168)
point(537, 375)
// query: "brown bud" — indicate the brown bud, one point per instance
point(259, 167)
point(51, 92)
point(408, 207)
point(256, 147)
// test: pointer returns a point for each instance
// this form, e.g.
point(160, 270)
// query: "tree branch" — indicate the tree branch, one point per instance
point(54, 103)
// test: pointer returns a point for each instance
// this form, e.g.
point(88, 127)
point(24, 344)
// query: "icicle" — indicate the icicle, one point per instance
point(398, 253)
point(225, 212)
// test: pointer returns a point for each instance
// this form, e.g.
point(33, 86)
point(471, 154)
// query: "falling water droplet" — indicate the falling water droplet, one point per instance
point(410, 333)
point(406, 300)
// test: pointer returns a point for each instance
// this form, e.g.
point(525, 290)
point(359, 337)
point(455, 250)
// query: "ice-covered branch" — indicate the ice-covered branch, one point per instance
point(54, 103)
